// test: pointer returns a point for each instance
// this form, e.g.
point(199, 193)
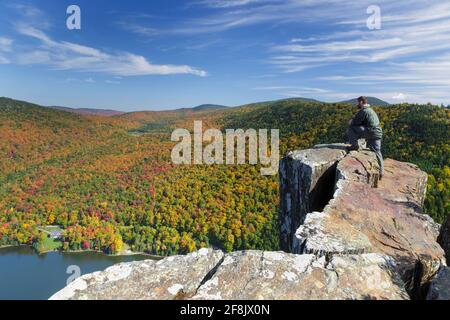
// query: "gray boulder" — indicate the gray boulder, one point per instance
point(440, 286)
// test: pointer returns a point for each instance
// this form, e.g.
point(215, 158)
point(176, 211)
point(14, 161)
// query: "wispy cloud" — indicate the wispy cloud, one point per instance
point(112, 82)
point(5, 44)
point(404, 41)
point(5, 47)
point(317, 48)
point(407, 54)
point(65, 55)
point(233, 14)
point(433, 72)
point(31, 14)
point(229, 3)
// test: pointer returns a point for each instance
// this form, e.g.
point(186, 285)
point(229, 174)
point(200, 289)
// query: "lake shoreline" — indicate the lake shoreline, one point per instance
point(26, 275)
point(125, 253)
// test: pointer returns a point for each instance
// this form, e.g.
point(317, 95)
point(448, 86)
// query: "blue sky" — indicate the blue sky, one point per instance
point(155, 55)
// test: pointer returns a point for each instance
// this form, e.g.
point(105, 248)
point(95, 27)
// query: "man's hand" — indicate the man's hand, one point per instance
point(350, 122)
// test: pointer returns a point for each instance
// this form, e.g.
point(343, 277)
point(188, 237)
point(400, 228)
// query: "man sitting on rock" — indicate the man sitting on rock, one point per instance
point(366, 125)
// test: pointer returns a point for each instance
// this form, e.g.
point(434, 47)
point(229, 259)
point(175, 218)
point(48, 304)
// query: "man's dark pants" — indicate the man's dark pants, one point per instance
point(355, 133)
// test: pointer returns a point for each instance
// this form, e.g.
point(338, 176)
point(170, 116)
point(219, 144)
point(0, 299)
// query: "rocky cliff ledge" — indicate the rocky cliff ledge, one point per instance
point(363, 215)
point(209, 274)
point(345, 235)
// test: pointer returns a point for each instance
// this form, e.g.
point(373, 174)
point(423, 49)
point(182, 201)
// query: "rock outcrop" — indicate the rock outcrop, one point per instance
point(167, 279)
point(444, 238)
point(366, 215)
point(345, 235)
point(440, 286)
point(254, 275)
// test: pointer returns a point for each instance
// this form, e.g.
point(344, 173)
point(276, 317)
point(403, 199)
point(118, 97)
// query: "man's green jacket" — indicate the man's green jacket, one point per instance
point(367, 118)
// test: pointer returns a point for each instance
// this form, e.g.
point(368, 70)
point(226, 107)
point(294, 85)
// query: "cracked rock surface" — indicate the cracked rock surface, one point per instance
point(257, 275)
point(167, 279)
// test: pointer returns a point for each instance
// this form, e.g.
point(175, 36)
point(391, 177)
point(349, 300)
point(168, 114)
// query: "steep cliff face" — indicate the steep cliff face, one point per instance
point(306, 185)
point(345, 233)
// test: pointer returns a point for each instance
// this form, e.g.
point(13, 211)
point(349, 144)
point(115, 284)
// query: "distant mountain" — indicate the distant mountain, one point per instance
point(287, 100)
point(200, 108)
point(300, 100)
point(274, 102)
point(205, 107)
point(372, 101)
point(87, 111)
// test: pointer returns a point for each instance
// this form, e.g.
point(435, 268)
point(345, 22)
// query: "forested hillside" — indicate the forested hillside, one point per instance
point(109, 181)
point(412, 133)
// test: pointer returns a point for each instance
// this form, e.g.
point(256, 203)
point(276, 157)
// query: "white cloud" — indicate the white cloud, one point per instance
point(34, 57)
point(5, 44)
point(4, 60)
point(112, 82)
point(400, 97)
point(65, 55)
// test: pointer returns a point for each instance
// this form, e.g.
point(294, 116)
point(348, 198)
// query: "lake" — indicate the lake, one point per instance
point(25, 275)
